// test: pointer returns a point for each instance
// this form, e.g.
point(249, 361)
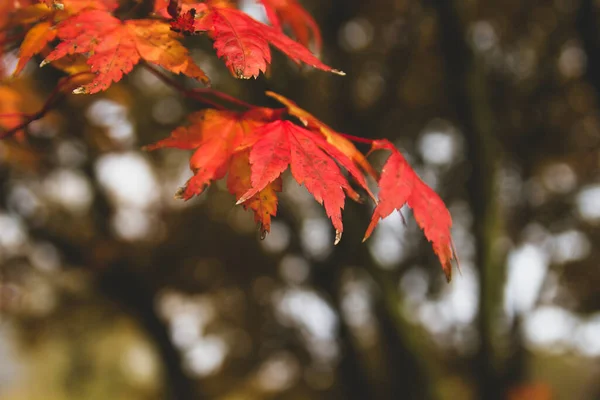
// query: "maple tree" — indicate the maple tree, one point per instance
point(250, 145)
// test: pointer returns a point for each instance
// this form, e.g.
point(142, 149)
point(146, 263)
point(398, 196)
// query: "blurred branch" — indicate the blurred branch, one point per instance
point(399, 371)
point(136, 8)
point(128, 290)
point(407, 343)
point(407, 368)
point(132, 294)
point(201, 95)
point(351, 373)
point(55, 97)
point(404, 370)
point(587, 26)
point(467, 89)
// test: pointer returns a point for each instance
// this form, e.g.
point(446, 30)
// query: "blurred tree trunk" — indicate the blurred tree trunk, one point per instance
point(467, 91)
point(587, 25)
point(405, 369)
point(130, 293)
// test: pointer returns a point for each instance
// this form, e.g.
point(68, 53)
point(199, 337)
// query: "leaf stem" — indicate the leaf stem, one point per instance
point(202, 95)
point(357, 139)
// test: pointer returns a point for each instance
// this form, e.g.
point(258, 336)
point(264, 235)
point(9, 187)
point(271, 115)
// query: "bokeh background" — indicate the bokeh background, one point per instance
point(111, 289)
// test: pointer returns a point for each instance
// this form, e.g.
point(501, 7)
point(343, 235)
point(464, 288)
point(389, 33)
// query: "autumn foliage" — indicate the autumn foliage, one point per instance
point(251, 147)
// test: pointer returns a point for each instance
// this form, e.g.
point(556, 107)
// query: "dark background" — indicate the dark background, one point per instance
point(111, 289)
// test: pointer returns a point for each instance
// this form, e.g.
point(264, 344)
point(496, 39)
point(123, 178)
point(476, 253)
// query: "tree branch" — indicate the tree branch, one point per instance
point(587, 26)
point(55, 97)
point(201, 95)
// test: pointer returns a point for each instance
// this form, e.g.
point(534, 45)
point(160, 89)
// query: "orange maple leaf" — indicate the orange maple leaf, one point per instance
point(41, 33)
point(217, 137)
point(301, 23)
point(263, 203)
point(399, 185)
point(214, 134)
point(244, 42)
point(117, 46)
point(35, 41)
point(7, 22)
point(255, 147)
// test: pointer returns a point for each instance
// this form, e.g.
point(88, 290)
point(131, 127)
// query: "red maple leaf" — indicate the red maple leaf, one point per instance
point(184, 23)
point(334, 138)
point(290, 13)
point(263, 203)
point(255, 147)
point(35, 41)
point(117, 46)
point(244, 42)
point(400, 185)
point(281, 144)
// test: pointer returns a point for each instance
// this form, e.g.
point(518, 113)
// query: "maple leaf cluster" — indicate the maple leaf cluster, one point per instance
point(251, 148)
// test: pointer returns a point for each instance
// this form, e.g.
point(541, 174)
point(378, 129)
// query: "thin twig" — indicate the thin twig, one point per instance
point(356, 139)
point(198, 94)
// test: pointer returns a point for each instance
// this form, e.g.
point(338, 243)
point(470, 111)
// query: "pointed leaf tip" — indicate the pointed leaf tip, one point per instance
point(263, 233)
point(179, 193)
point(447, 268)
point(338, 237)
point(243, 199)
